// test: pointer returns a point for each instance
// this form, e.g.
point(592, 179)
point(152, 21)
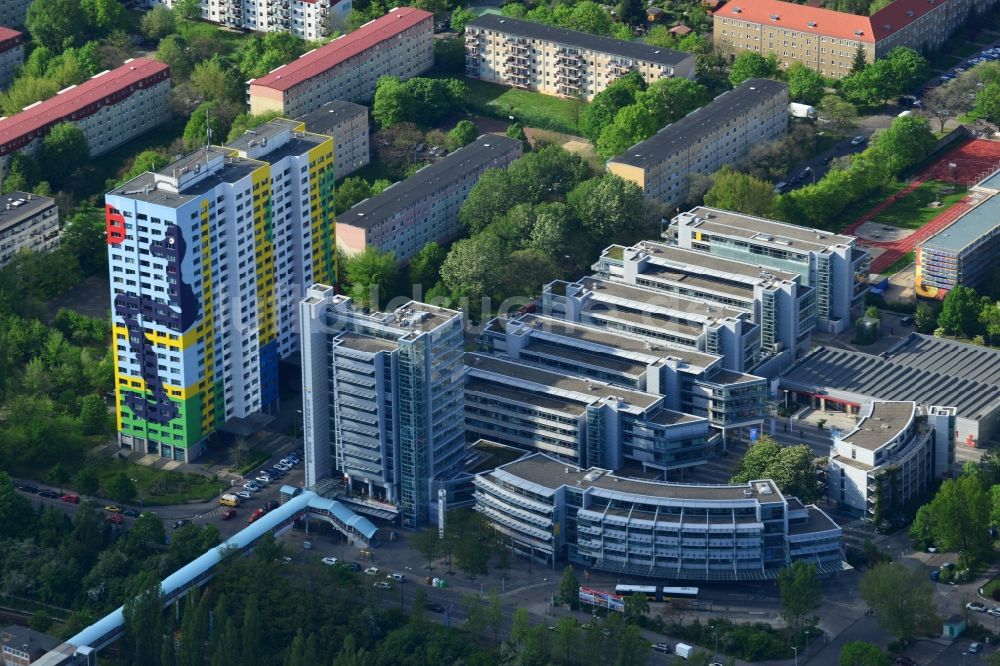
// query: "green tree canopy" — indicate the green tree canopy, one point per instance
point(860, 653)
point(752, 65)
point(120, 488)
point(800, 593)
point(214, 80)
point(988, 102)
point(740, 192)
point(904, 144)
point(373, 275)
point(474, 267)
point(56, 24)
point(960, 312)
point(606, 104)
point(173, 50)
point(792, 468)
point(464, 133)
point(418, 100)
point(902, 599)
point(206, 125)
point(157, 23)
point(63, 149)
point(959, 517)
point(805, 85)
point(610, 208)
point(425, 266)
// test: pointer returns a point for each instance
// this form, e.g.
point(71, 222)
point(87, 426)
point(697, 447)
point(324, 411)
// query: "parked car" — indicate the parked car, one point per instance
point(398, 577)
point(383, 585)
point(51, 494)
point(371, 571)
point(131, 513)
point(252, 487)
point(28, 488)
point(245, 495)
point(974, 648)
point(257, 514)
point(904, 661)
point(976, 606)
point(72, 499)
point(329, 561)
point(935, 575)
point(262, 481)
point(116, 518)
point(434, 607)
point(858, 140)
point(662, 647)
point(353, 566)
point(181, 523)
point(995, 611)
point(113, 508)
point(228, 514)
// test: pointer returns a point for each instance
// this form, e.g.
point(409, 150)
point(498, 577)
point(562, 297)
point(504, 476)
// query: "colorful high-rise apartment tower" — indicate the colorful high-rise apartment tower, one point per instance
point(208, 258)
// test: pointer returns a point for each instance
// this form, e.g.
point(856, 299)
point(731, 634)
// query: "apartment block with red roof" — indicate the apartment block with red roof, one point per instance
point(111, 108)
point(11, 54)
point(401, 43)
point(827, 40)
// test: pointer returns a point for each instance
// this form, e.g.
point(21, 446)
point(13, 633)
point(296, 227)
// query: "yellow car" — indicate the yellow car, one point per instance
point(112, 508)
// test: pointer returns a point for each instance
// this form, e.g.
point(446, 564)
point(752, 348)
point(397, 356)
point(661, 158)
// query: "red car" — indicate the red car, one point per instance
point(255, 515)
point(228, 514)
point(116, 518)
point(72, 499)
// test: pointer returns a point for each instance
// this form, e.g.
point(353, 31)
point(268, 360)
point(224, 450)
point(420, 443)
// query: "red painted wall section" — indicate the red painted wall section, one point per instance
point(116, 225)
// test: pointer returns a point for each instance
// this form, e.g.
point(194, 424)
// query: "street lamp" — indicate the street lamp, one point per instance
point(141, 502)
point(796, 655)
point(715, 632)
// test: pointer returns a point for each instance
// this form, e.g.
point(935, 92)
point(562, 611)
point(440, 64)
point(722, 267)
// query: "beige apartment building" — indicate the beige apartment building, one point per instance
point(11, 54)
point(307, 19)
point(27, 221)
point(347, 124)
point(556, 61)
point(401, 43)
point(721, 132)
point(827, 40)
point(111, 108)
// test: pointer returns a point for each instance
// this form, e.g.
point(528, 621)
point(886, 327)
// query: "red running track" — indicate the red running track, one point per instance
point(973, 161)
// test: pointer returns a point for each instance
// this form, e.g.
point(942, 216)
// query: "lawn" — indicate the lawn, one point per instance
point(862, 206)
point(159, 486)
point(531, 109)
point(913, 211)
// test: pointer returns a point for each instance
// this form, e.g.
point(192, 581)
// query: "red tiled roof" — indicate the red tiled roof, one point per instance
point(10, 35)
point(828, 22)
point(342, 48)
point(60, 107)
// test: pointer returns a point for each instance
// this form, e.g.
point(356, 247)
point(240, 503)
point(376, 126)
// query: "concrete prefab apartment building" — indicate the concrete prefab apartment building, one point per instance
point(13, 12)
point(383, 398)
point(347, 123)
point(401, 43)
point(551, 511)
point(721, 132)
point(425, 206)
point(27, 222)
point(890, 458)
point(827, 40)
point(207, 259)
point(578, 419)
point(11, 54)
point(831, 263)
point(689, 381)
point(556, 61)
point(111, 108)
point(660, 318)
point(307, 19)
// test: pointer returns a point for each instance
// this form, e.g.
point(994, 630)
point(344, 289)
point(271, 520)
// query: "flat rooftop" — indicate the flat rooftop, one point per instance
point(619, 341)
point(16, 207)
point(761, 230)
point(921, 368)
point(234, 169)
point(701, 123)
point(689, 261)
point(581, 40)
point(886, 420)
point(818, 522)
point(694, 310)
point(966, 230)
point(525, 395)
point(365, 343)
point(569, 384)
point(455, 167)
point(343, 48)
point(552, 474)
point(576, 355)
point(331, 115)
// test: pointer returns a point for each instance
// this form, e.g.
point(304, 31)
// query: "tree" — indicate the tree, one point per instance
point(860, 59)
point(157, 23)
point(805, 85)
point(752, 65)
point(352, 191)
point(204, 126)
point(464, 133)
point(93, 415)
point(13, 508)
point(740, 192)
point(188, 10)
point(173, 50)
point(474, 266)
point(907, 69)
point(104, 16)
point(606, 104)
point(63, 149)
point(800, 593)
point(418, 100)
point(636, 605)
point(569, 588)
point(791, 468)
point(494, 614)
point(250, 633)
point(907, 142)
point(611, 209)
point(669, 100)
point(516, 131)
point(143, 614)
point(989, 319)
point(215, 80)
point(428, 544)
point(248, 121)
point(839, 113)
point(58, 476)
point(950, 99)
point(373, 276)
point(120, 488)
point(425, 266)
point(960, 312)
point(588, 16)
point(631, 125)
point(902, 599)
point(459, 17)
point(860, 653)
point(756, 460)
point(988, 103)
point(86, 482)
point(960, 515)
point(56, 24)
point(22, 173)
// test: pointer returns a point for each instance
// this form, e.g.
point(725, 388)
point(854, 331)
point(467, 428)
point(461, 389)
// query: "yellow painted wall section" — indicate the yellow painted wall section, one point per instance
point(263, 233)
point(324, 221)
point(205, 330)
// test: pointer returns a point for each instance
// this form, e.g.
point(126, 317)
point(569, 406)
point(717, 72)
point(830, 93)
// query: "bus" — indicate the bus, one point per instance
point(658, 592)
point(649, 591)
